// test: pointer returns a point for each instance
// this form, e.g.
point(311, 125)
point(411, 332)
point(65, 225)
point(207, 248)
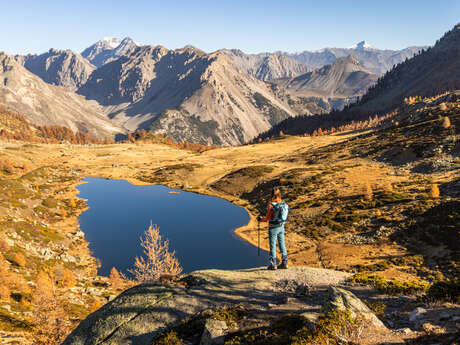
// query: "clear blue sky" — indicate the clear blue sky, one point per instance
point(28, 26)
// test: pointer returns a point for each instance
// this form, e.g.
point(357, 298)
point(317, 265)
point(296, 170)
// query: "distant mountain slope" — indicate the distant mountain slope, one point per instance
point(375, 60)
point(430, 73)
point(434, 71)
point(108, 49)
point(59, 67)
point(345, 77)
point(186, 94)
point(268, 67)
point(46, 104)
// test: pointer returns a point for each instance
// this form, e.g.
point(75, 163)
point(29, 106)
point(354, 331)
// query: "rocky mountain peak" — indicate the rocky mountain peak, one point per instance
point(109, 42)
point(350, 59)
point(108, 49)
point(363, 45)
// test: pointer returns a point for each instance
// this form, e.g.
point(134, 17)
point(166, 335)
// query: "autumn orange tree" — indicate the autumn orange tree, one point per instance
point(49, 320)
point(157, 259)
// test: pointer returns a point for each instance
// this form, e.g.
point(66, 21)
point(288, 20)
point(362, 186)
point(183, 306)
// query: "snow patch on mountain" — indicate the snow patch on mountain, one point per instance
point(361, 46)
point(112, 42)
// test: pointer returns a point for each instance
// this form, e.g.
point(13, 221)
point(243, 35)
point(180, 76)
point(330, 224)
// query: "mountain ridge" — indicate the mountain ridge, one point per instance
point(59, 67)
point(46, 104)
point(345, 77)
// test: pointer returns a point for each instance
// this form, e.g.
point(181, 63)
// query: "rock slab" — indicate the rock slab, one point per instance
point(142, 312)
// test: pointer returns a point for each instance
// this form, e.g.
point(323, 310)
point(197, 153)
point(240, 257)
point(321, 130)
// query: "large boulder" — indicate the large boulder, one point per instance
point(341, 299)
point(214, 332)
point(140, 313)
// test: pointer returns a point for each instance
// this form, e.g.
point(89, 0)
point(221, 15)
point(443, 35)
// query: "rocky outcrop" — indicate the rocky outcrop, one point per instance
point(140, 313)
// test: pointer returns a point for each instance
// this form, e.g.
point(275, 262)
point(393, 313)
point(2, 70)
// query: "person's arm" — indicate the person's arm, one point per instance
point(269, 215)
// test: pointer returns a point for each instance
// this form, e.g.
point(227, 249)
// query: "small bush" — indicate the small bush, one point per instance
point(68, 278)
point(169, 338)
point(368, 193)
point(50, 202)
point(390, 286)
point(72, 203)
point(335, 328)
point(388, 187)
point(229, 315)
point(444, 291)
point(95, 306)
point(115, 278)
point(5, 293)
point(4, 246)
point(434, 191)
point(445, 122)
point(6, 167)
point(377, 307)
point(19, 259)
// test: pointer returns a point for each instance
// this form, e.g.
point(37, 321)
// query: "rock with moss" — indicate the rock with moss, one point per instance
point(341, 299)
point(214, 332)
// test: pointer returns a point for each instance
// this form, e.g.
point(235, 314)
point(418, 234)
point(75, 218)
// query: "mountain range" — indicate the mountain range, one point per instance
point(222, 98)
point(375, 60)
point(429, 73)
point(46, 104)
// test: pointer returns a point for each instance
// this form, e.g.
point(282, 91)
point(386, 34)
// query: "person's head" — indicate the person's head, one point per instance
point(276, 193)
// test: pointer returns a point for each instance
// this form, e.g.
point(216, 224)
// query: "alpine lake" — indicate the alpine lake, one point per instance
point(200, 228)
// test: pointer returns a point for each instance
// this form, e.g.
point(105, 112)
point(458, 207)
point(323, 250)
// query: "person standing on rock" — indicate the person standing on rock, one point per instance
point(277, 212)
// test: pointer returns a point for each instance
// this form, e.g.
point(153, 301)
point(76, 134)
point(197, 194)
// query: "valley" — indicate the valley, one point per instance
point(335, 221)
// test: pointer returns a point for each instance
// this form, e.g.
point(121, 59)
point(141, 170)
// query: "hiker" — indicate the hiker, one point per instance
point(276, 217)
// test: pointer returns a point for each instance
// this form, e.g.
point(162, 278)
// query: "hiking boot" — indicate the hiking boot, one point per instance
point(271, 267)
point(283, 265)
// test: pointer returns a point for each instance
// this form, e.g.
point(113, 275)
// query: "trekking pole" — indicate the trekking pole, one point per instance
point(258, 239)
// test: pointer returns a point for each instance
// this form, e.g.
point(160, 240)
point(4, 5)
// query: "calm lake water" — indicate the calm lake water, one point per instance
point(199, 227)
